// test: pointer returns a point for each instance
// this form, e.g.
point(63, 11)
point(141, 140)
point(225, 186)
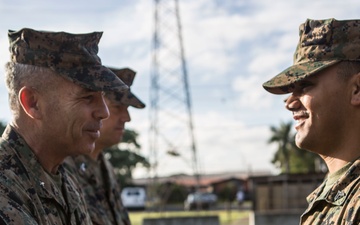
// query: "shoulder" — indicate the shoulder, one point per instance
point(16, 214)
point(16, 203)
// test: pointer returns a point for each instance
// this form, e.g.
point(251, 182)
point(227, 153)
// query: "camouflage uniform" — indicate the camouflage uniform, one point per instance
point(340, 205)
point(97, 179)
point(324, 43)
point(101, 189)
point(27, 195)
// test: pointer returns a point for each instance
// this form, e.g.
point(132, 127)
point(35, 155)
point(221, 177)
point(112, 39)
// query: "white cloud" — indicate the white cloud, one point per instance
point(223, 144)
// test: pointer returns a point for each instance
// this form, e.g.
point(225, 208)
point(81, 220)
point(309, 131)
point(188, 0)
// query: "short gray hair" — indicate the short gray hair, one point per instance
point(19, 75)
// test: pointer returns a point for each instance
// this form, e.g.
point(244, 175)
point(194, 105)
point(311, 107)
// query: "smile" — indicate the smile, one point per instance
point(300, 118)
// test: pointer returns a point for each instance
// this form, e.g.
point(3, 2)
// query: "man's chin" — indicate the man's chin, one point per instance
point(89, 149)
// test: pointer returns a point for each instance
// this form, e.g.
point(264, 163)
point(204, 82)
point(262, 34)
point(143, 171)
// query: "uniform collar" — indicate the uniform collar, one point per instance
point(88, 169)
point(340, 190)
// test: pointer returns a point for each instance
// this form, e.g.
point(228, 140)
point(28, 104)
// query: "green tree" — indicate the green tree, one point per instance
point(125, 157)
point(169, 192)
point(228, 192)
point(303, 161)
point(2, 127)
point(289, 158)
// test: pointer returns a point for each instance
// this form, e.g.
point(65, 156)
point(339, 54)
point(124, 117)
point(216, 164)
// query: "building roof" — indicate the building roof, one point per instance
point(205, 179)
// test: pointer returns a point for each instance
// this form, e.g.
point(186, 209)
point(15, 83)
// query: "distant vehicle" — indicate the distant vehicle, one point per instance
point(134, 198)
point(200, 200)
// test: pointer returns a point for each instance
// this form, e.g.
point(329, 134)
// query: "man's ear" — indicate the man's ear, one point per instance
point(28, 99)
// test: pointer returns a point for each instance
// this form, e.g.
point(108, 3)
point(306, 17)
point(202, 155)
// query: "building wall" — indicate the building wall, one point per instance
point(283, 192)
point(281, 199)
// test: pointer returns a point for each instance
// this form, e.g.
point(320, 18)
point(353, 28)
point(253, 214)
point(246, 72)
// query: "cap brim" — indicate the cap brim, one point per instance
point(97, 78)
point(132, 100)
point(283, 83)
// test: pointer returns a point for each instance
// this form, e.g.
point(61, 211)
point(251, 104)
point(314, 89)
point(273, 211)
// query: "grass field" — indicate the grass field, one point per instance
point(225, 217)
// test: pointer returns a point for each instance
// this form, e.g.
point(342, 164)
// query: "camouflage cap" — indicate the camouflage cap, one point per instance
point(73, 56)
point(322, 44)
point(127, 98)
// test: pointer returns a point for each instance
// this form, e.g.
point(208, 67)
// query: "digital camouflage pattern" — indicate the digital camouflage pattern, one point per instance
point(28, 196)
point(340, 206)
point(101, 189)
point(127, 98)
point(73, 56)
point(322, 44)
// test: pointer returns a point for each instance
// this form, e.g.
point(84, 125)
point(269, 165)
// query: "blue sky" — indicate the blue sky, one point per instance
point(231, 48)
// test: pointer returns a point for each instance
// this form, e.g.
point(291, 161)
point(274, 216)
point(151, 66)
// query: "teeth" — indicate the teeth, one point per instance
point(300, 117)
point(300, 114)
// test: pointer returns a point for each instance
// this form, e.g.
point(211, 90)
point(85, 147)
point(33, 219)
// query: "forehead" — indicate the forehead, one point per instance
point(81, 90)
point(73, 90)
point(62, 84)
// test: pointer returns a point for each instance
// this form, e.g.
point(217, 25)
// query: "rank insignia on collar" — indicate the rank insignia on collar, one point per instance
point(339, 194)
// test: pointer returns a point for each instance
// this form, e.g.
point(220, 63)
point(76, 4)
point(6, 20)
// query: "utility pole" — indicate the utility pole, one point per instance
point(171, 123)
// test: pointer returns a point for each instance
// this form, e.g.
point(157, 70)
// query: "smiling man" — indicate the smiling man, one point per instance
point(94, 172)
point(55, 82)
point(324, 87)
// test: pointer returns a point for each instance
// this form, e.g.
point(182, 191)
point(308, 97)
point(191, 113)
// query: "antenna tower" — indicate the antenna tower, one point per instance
point(171, 125)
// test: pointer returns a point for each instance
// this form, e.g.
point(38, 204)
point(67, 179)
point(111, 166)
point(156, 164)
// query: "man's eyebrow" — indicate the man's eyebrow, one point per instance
point(86, 91)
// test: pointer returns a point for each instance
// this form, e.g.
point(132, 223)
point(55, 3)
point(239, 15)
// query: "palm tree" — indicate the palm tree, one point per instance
point(285, 139)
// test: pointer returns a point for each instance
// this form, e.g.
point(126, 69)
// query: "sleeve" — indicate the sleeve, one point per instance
point(12, 213)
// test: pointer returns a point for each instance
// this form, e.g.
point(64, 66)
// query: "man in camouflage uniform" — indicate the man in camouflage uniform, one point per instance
point(94, 172)
point(324, 87)
point(55, 82)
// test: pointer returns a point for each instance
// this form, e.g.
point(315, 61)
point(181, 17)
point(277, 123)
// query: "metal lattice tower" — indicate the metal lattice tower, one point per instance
point(171, 125)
